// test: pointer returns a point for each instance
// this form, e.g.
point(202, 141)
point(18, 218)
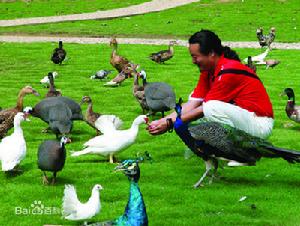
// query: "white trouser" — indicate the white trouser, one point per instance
point(237, 117)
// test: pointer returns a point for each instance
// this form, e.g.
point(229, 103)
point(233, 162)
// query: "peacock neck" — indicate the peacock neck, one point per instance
point(135, 211)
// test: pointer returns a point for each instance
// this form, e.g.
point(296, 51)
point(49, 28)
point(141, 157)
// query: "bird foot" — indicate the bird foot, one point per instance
point(45, 180)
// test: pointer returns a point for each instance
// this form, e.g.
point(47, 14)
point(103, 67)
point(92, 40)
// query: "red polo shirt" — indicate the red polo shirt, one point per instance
point(233, 82)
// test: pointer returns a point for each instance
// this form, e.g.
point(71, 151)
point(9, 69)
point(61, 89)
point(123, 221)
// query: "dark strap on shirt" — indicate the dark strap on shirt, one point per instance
point(238, 71)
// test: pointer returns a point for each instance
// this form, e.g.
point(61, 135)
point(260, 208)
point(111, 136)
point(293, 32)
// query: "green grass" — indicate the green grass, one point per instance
point(39, 8)
point(166, 184)
point(231, 20)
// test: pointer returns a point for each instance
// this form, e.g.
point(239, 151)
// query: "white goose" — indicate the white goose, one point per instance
point(112, 140)
point(73, 209)
point(13, 147)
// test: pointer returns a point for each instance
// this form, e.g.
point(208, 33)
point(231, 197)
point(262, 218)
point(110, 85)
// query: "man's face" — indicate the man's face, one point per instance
point(202, 61)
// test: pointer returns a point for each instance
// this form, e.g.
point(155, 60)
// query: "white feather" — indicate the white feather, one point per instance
point(45, 80)
point(112, 140)
point(259, 58)
point(13, 147)
point(73, 209)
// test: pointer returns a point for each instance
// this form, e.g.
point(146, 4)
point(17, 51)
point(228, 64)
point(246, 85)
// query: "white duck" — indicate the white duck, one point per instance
point(112, 140)
point(13, 147)
point(45, 81)
point(259, 59)
point(73, 209)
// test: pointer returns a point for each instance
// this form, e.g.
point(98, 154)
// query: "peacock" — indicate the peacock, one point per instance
point(135, 210)
point(212, 141)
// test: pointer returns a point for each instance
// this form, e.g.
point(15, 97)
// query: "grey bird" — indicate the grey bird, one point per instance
point(160, 96)
point(102, 74)
point(51, 157)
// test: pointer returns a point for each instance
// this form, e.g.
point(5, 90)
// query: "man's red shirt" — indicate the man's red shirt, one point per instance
point(233, 82)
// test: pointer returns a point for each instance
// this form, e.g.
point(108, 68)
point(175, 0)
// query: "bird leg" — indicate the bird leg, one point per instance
point(209, 164)
point(54, 178)
point(45, 179)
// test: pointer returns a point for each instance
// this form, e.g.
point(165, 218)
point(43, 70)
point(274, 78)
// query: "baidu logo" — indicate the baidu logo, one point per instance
point(37, 208)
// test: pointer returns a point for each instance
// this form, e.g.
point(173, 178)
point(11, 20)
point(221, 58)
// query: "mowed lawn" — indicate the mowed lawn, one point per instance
point(271, 187)
point(13, 9)
point(232, 20)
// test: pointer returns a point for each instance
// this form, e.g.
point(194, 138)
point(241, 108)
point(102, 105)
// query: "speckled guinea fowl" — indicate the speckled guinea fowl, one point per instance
point(7, 115)
point(160, 96)
point(212, 141)
point(52, 91)
point(292, 110)
point(135, 211)
point(58, 112)
point(51, 157)
point(163, 55)
point(59, 54)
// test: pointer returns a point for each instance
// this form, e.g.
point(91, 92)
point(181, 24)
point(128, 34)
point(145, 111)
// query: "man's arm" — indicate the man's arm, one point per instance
point(190, 111)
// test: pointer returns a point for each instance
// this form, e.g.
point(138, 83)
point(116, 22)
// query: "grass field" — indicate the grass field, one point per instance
point(166, 184)
point(39, 8)
point(232, 20)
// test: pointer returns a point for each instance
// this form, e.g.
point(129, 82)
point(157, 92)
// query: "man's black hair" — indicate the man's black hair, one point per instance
point(210, 42)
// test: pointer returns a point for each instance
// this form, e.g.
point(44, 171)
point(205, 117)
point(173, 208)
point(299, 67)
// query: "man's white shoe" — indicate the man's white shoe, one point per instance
point(235, 163)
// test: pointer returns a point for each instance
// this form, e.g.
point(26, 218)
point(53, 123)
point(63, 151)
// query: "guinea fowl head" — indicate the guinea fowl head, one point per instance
point(130, 168)
point(64, 140)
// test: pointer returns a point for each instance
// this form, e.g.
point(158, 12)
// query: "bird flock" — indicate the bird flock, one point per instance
point(59, 112)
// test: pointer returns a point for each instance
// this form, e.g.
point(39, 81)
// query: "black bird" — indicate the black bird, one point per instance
point(212, 141)
point(160, 96)
point(250, 64)
point(52, 91)
point(59, 54)
point(51, 157)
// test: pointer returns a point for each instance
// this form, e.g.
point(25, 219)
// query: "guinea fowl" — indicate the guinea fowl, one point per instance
point(212, 141)
point(250, 64)
point(135, 211)
point(265, 40)
point(291, 109)
point(51, 157)
point(102, 74)
point(139, 93)
point(91, 117)
point(58, 112)
point(52, 91)
point(160, 96)
point(59, 54)
point(7, 115)
point(73, 209)
point(112, 140)
point(45, 81)
point(163, 55)
point(117, 61)
point(13, 147)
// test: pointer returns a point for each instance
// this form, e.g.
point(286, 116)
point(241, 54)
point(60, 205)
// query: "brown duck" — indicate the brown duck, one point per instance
point(7, 115)
point(163, 55)
point(90, 116)
point(124, 74)
point(117, 61)
point(52, 91)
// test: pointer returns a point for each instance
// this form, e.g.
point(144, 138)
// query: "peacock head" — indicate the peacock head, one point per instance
point(130, 168)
